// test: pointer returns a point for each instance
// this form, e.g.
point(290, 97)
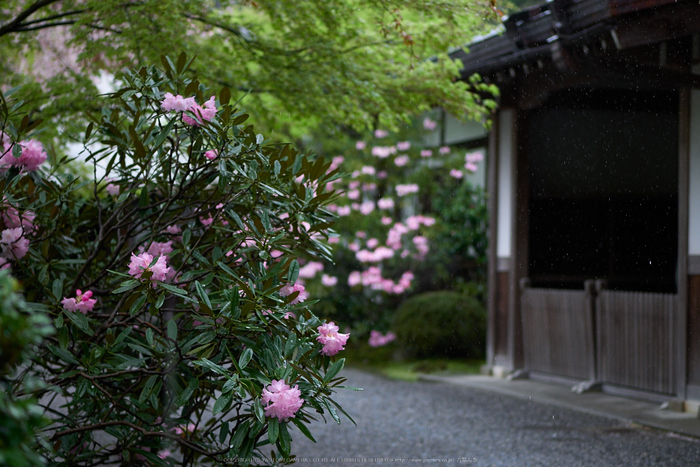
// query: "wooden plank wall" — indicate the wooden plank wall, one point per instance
point(634, 340)
point(558, 332)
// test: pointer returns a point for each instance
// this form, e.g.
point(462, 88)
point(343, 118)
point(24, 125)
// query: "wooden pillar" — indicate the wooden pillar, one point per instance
point(681, 323)
point(492, 270)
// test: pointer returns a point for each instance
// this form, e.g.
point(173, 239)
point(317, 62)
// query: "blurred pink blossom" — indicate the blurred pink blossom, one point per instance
point(470, 166)
point(474, 157)
point(353, 194)
point(360, 145)
point(403, 145)
point(112, 189)
point(403, 190)
point(354, 278)
point(385, 203)
point(456, 173)
point(429, 124)
point(380, 134)
point(369, 170)
point(372, 243)
point(344, 210)
point(13, 243)
point(387, 220)
point(401, 161)
point(211, 154)
point(381, 151)
point(329, 281)
point(382, 174)
point(376, 339)
point(310, 270)
point(367, 207)
point(445, 150)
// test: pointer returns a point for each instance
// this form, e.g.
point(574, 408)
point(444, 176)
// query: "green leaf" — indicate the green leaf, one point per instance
point(80, 321)
point(245, 358)
point(57, 288)
point(148, 387)
point(303, 428)
point(223, 432)
point(225, 96)
point(285, 440)
point(136, 306)
point(58, 322)
point(273, 430)
point(126, 285)
point(221, 403)
point(149, 336)
point(202, 294)
point(259, 410)
point(143, 199)
point(203, 362)
point(239, 436)
point(293, 273)
point(172, 329)
point(63, 354)
point(187, 393)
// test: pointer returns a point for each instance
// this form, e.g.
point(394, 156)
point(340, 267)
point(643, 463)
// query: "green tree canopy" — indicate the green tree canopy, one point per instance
point(298, 63)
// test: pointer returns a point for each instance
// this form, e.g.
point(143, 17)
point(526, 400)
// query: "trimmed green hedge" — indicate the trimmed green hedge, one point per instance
point(441, 324)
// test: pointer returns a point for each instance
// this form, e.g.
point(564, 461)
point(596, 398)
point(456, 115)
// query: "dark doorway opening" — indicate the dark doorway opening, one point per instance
point(603, 201)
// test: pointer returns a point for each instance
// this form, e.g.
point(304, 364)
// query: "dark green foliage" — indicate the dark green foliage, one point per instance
point(441, 324)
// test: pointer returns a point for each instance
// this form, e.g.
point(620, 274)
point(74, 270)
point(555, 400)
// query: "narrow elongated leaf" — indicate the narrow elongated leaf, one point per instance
point(245, 358)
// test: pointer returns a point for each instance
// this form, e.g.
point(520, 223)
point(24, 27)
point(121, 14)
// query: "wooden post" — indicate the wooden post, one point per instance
point(492, 265)
point(680, 331)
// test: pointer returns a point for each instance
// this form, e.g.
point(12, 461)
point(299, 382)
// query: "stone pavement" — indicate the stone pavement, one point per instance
point(473, 422)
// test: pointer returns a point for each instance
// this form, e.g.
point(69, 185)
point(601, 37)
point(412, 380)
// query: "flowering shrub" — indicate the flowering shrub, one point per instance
point(171, 280)
point(407, 224)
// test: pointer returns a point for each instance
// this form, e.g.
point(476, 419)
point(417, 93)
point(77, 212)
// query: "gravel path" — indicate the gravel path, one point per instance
point(401, 423)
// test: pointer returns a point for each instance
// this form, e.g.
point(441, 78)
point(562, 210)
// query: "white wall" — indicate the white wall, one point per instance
point(694, 189)
point(506, 119)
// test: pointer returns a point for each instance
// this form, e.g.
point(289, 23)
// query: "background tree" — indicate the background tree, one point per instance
point(300, 63)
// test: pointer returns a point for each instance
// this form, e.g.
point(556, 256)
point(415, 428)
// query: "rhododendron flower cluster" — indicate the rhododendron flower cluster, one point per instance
point(373, 279)
point(296, 287)
point(31, 156)
point(83, 302)
point(281, 401)
point(360, 145)
point(456, 173)
point(329, 281)
point(444, 150)
point(429, 124)
point(414, 222)
point(406, 189)
point(13, 244)
point(400, 161)
point(471, 159)
point(383, 152)
point(185, 105)
point(403, 146)
point(112, 189)
point(381, 134)
point(183, 430)
point(426, 153)
point(333, 341)
point(377, 339)
point(142, 263)
point(310, 270)
point(380, 254)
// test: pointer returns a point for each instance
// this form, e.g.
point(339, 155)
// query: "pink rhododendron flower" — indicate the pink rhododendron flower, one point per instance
point(13, 243)
point(164, 453)
point(310, 270)
point(387, 220)
point(401, 161)
point(360, 145)
point(403, 145)
point(376, 339)
point(141, 263)
point(33, 155)
point(473, 157)
point(369, 186)
point(426, 153)
point(354, 194)
point(445, 150)
point(354, 185)
point(367, 207)
point(12, 218)
point(372, 243)
point(429, 124)
point(354, 246)
point(333, 240)
point(202, 114)
point(184, 430)
point(177, 103)
point(211, 154)
point(456, 173)
point(332, 340)
point(382, 174)
point(368, 170)
point(173, 229)
point(161, 248)
point(280, 400)
point(355, 278)
point(296, 287)
point(329, 281)
point(83, 302)
point(344, 210)
point(381, 151)
point(112, 189)
point(4, 264)
point(403, 190)
point(470, 166)
point(380, 134)
point(361, 234)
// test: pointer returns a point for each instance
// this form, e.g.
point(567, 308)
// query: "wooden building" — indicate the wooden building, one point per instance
point(594, 177)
